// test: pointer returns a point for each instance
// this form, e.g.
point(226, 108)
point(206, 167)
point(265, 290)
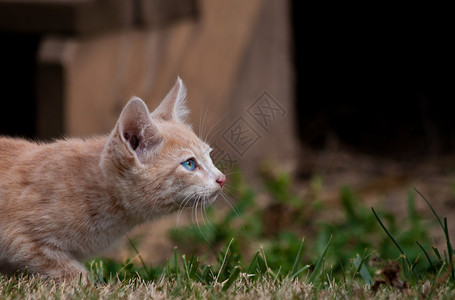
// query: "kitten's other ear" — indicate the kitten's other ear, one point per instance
point(137, 131)
point(173, 106)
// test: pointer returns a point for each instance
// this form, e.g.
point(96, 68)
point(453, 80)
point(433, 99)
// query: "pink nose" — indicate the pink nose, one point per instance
point(221, 180)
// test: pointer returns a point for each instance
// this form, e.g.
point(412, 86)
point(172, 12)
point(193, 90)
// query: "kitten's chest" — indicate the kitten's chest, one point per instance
point(94, 238)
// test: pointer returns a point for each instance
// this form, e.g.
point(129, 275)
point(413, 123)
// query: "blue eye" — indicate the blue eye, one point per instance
point(190, 164)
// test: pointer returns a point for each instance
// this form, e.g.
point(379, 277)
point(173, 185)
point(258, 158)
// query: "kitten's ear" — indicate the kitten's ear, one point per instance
point(173, 106)
point(137, 130)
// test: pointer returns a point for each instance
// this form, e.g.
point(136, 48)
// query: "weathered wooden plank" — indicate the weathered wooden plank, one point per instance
point(164, 12)
point(65, 16)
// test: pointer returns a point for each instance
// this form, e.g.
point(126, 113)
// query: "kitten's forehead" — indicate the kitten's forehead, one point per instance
point(179, 136)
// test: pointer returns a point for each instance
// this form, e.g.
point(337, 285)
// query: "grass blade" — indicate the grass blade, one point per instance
point(187, 272)
point(298, 257)
point(436, 252)
point(300, 271)
point(431, 207)
point(206, 273)
point(446, 233)
point(223, 264)
point(176, 263)
point(449, 248)
point(359, 263)
point(185, 267)
point(194, 267)
point(394, 241)
point(319, 263)
point(415, 263)
point(147, 271)
point(427, 256)
point(232, 278)
point(252, 269)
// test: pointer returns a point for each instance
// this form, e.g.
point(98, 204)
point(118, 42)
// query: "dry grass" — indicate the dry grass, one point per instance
point(164, 288)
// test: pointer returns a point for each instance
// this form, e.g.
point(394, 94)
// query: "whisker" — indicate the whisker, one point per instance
point(230, 194)
point(204, 119)
point(206, 219)
point(235, 172)
point(200, 121)
point(196, 214)
point(182, 206)
point(225, 197)
point(182, 190)
point(237, 213)
point(179, 214)
point(207, 137)
point(229, 186)
point(197, 222)
point(193, 211)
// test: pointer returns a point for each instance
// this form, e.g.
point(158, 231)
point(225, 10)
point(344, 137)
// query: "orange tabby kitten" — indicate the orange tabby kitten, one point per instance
point(63, 202)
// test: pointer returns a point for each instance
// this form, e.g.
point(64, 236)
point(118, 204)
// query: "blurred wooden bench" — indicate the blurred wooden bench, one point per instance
point(47, 45)
point(89, 16)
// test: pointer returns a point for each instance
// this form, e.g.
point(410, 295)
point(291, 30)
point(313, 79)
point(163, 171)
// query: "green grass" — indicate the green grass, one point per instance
point(365, 253)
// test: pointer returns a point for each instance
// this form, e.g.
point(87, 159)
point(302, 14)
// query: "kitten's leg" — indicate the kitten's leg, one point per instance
point(38, 257)
point(55, 264)
point(63, 267)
